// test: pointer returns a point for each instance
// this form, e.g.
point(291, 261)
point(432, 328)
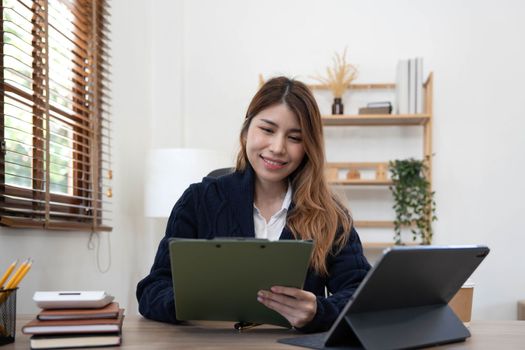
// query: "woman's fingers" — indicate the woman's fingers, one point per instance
point(277, 303)
point(296, 305)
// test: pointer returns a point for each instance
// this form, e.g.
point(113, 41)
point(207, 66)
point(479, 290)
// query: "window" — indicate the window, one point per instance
point(55, 159)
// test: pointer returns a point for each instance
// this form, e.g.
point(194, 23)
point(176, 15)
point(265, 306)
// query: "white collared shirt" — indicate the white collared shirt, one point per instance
point(272, 229)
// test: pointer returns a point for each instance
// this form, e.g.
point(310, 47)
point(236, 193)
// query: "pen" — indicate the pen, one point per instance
point(10, 269)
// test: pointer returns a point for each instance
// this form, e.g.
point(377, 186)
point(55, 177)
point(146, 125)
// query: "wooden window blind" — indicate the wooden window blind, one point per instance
point(55, 159)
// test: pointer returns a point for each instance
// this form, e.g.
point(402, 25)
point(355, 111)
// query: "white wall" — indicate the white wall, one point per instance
point(184, 72)
point(471, 46)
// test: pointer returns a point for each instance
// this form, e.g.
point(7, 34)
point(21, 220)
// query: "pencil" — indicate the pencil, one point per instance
point(10, 269)
point(15, 280)
point(22, 274)
point(17, 273)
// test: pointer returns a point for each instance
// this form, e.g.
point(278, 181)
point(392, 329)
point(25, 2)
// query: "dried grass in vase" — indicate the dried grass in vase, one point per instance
point(339, 76)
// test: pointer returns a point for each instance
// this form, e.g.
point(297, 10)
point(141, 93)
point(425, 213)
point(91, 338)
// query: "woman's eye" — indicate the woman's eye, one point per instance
point(295, 138)
point(267, 130)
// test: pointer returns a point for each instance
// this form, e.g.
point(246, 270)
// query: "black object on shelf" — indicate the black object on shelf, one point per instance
point(337, 106)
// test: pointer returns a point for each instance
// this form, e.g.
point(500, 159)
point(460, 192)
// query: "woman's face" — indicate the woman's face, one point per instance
point(274, 144)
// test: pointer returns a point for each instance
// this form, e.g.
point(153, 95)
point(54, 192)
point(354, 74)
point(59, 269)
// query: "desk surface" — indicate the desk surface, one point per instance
point(139, 333)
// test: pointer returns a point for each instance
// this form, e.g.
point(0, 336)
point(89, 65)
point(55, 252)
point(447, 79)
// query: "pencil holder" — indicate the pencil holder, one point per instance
point(7, 315)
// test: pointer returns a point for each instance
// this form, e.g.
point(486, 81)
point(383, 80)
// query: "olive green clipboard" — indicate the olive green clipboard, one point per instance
point(219, 279)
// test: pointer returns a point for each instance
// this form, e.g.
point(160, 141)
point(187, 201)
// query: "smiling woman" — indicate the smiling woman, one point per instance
point(278, 191)
point(54, 125)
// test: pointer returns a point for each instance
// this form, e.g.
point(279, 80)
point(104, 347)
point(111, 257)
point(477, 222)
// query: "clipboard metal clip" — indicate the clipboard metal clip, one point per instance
point(241, 326)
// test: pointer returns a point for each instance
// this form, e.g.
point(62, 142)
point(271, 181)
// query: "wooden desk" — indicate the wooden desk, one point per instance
point(139, 333)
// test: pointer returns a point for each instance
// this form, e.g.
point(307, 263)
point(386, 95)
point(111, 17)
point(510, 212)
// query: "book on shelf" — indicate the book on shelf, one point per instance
point(419, 85)
point(95, 325)
point(74, 341)
point(402, 87)
point(375, 110)
point(379, 104)
point(409, 86)
point(109, 311)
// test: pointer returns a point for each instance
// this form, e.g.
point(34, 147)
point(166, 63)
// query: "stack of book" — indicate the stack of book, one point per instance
point(76, 328)
point(376, 108)
point(409, 86)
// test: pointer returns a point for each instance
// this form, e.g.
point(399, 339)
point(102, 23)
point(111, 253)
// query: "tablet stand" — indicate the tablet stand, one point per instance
point(389, 329)
point(399, 305)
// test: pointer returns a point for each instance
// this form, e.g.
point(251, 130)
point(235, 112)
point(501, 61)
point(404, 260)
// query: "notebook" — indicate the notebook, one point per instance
point(109, 311)
point(74, 341)
point(403, 301)
point(219, 279)
point(97, 325)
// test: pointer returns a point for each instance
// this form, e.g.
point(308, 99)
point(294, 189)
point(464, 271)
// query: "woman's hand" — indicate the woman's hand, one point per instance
point(296, 305)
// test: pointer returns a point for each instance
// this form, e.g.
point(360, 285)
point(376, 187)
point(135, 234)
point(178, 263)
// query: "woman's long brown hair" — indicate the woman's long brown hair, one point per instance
point(317, 214)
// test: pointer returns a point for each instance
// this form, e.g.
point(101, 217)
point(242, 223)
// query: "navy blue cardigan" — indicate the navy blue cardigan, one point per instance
point(223, 207)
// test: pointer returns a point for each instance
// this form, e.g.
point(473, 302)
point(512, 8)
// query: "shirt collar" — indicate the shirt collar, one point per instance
point(287, 197)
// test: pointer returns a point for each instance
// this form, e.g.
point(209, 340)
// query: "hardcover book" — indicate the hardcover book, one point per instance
point(97, 325)
point(109, 311)
point(74, 341)
point(375, 110)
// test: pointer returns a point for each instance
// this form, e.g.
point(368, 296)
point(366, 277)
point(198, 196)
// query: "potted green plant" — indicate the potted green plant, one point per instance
point(414, 203)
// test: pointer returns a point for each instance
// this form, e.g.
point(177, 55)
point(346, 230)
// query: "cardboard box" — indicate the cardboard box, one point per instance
point(461, 303)
point(521, 310)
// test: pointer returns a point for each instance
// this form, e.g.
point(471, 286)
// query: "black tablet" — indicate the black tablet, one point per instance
point(403, 301)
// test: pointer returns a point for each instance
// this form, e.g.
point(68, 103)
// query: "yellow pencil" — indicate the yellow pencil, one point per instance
point(23, 274)
point(10, 269)
point(15, 276)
